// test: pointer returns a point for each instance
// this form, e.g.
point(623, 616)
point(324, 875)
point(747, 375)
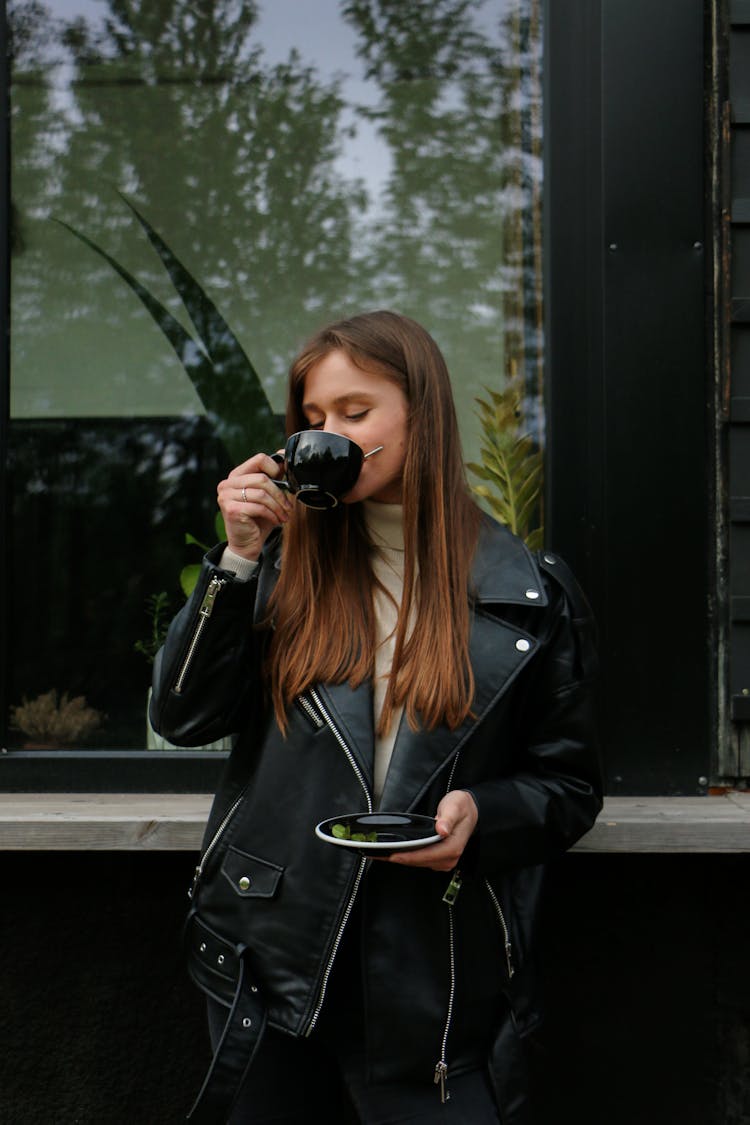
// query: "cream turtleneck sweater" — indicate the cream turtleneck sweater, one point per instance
point(386, 529)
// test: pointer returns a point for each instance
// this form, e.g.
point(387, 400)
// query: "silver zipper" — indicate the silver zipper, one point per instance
point(360, 871)
point(449, 898)
point(213, 842)
point(441, 1067)
point(205, 611)
point(506, 931)
point(335, 948)
point(342, 743)
point(310, 711)
point(449, 786)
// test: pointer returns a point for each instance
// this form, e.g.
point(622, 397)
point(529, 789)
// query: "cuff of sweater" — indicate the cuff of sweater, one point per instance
point(242, 568)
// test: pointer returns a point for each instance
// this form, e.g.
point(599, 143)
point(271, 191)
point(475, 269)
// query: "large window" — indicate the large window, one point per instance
point(196, 186)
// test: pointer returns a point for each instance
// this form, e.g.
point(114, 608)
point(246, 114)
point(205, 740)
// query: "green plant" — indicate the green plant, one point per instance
point(56, 721)
point(511, 466)
point(158, 608)
point(158, 611)
point(189, 573)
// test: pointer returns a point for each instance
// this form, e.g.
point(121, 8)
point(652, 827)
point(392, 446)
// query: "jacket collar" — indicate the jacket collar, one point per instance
point(504, 570)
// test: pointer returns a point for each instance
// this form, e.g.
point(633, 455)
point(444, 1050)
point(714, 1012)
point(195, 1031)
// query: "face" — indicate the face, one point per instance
point(367, 408)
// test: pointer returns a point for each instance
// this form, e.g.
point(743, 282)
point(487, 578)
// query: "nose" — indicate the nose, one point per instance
point(339, 426)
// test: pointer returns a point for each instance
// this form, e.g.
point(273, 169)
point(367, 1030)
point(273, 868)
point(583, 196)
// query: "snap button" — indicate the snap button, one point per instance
point(247, 1022)
point(523, 645)
point(253, 988)
point(550, 559)
point(244, 883)
point(220, 959)
point(202, 947)
point(532, 595)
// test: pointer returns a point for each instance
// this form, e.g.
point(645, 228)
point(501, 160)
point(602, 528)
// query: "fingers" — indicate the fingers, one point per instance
point(253, 496)
point(455, 821)
point(252, 504)
point(436, 857)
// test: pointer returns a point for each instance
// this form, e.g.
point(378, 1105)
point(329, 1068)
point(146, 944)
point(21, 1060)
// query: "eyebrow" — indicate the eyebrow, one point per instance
point(343, 400)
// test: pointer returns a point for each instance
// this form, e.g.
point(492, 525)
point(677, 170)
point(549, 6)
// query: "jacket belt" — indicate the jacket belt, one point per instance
point(214, 963)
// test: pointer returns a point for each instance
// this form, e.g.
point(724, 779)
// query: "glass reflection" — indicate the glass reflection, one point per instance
point(298, 161)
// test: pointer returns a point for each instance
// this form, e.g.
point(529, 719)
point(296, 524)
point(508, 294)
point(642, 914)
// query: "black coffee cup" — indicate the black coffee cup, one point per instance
point(320, 467)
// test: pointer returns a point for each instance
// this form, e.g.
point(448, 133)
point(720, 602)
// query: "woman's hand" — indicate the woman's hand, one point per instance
point(252, 505)
point(455, 821)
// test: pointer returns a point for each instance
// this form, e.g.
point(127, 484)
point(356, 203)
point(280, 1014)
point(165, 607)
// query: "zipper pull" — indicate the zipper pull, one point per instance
point(509, 960)
point(451, 891)
point(207, 605)
point(441, 1078)
point(194, 885)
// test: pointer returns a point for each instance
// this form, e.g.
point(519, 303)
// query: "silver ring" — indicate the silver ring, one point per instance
point(244, 495)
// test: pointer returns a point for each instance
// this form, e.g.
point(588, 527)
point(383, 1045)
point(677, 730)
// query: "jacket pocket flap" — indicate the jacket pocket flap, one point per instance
point(249, 876)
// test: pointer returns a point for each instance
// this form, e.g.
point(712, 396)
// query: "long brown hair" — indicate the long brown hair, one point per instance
point(322, 607)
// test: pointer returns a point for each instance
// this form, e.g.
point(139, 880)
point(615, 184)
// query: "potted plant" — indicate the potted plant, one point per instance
point(53, 722)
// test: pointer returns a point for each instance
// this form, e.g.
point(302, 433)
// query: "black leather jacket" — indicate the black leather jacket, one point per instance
point(440, 981)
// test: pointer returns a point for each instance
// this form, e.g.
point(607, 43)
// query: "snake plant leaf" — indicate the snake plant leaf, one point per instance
point(224, 379)
point(188, 352)
point(235, 389)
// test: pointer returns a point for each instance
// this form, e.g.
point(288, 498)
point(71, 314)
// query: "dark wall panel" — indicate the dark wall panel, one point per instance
point(629, 478)
point(647, 994)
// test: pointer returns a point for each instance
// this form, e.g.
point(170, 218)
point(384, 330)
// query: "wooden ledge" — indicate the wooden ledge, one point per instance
point(671, 824)
point(102, 821)
point(175, 822)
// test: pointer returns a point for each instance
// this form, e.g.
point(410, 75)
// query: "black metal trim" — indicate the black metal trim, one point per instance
point(741, 708)
point(739, 13)
point(739, 509)
point(5, 237)
point(106, 771)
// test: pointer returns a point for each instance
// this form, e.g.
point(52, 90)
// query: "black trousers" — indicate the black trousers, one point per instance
point(294, 1081)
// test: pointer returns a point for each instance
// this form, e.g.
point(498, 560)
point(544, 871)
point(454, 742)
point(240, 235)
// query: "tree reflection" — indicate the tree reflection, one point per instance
point(459, 243)
point(235, 162)
point(231, 159)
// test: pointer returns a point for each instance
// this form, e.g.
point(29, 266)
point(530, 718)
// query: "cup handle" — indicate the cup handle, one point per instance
point(282, 484)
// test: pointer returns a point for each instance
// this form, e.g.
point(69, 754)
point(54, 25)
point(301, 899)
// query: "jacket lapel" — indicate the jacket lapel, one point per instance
point(351, 711)
point(504, 572)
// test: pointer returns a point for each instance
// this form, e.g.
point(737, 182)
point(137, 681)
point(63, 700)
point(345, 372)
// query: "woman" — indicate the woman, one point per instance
point(401, 651)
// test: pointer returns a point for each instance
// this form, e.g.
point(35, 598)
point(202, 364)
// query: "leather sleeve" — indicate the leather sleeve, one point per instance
point(554, 794)
point(206, 678)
